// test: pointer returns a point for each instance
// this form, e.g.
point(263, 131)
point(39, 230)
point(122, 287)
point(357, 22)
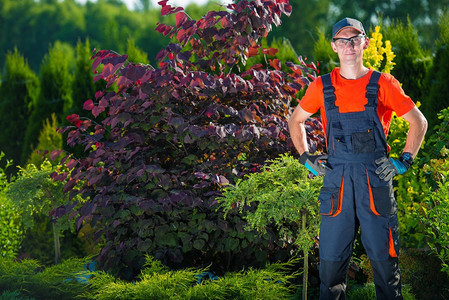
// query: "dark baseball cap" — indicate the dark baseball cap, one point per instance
point(347, 23)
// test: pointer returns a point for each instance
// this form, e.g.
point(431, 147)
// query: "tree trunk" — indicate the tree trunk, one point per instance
point(57, 244)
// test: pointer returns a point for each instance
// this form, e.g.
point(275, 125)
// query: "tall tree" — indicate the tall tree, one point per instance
point(301, 26)
point(412, 61)
point(55, 95)
point(19, 88)
point(83, 87)
point(438, 77)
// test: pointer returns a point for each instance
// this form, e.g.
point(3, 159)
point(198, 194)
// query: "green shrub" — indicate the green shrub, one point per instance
point(13, 295)
point(158, 282)
point(11, 231)
point(282, 193)
point(409, 187)
point(368, 292)
point(29, 278)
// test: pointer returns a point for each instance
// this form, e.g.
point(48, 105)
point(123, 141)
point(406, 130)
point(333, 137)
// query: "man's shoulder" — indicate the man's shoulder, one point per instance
point(387, 78)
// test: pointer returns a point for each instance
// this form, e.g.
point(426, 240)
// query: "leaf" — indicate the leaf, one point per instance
point(275, 63)
point(88, 105)
point(270, 51)
point(180, 18)
point(55, 154)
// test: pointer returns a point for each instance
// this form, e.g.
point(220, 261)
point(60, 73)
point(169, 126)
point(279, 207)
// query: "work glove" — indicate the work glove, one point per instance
point(390, 167)
point(317, 164)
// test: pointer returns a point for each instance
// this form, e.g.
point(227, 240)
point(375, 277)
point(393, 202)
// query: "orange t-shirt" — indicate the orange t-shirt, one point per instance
point(350, 95)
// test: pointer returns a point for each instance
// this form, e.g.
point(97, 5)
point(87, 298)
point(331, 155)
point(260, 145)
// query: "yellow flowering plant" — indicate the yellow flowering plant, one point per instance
point(379, 56)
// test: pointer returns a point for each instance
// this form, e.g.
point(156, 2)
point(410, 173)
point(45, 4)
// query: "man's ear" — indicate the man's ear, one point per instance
point(334, 47)
point(366, 43)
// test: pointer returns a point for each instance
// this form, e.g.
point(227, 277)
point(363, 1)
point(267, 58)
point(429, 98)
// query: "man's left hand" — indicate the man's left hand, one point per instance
point(389, 168)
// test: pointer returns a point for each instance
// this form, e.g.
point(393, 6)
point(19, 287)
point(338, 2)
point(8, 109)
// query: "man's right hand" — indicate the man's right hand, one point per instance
point(317, 164)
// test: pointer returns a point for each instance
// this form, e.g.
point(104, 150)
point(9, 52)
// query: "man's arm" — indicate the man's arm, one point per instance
point(418, 128)
point(297, 129)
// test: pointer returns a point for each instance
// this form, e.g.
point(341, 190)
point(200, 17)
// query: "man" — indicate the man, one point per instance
point(356, 104)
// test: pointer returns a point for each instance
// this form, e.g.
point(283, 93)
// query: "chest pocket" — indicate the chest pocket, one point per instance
point(363, 142)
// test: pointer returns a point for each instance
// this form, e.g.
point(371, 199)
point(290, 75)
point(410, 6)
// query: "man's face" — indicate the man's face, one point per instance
point(350, 51)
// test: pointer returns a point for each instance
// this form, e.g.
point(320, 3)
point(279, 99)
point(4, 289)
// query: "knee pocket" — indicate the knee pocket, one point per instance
point(383, 199)
point(329, 201)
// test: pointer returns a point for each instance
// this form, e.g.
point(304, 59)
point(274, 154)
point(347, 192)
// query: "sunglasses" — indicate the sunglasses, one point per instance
point(354, 41)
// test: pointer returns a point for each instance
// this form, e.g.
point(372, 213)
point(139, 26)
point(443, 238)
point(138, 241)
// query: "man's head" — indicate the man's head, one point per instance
point(347, 23)
point(349, 41)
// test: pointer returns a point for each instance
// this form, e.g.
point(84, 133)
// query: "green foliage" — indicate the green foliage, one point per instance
point(49, 140)
point(417, 184)
point(83, 87)
point(34, 192)
point(438, 78)
point(409, 188)
point(11, 232)
point(13, 295)
point(323, 53)
point(282, 193)
point(56, 92)
point(158, 282)
point(135, 54)
point(29, 278)
point(368, 292)
point(412, 62)
point(436, 212)
point(19, 89)
point(307, 16)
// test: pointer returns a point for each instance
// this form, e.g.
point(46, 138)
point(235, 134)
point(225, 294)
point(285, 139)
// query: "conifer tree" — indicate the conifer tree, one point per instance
point(135, 54)
point(49, 139)
point(438, 78)
point(19, 89)
point(56, 93)
point(83, 86)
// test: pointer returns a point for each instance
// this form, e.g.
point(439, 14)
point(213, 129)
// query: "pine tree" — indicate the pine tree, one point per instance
point(56, 93)
point(19, 89)
point(412, 61)
point(135, 54)
point(49, 139)
point(83, 86)
point(438, 78)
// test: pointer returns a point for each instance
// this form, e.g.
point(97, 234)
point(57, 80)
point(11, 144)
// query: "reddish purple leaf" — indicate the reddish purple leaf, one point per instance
point(180, 18)
point(88, 105)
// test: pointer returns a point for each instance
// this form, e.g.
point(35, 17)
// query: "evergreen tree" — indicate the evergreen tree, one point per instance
point(437, 80)
point(135, 54)
point(49, 139)
point(83, 87)
point(56, 93)
point(19, 88)
point(412, 61)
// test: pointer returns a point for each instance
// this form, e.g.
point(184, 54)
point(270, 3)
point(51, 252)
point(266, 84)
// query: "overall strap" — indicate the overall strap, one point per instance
point(371, 89)
point(328, 91)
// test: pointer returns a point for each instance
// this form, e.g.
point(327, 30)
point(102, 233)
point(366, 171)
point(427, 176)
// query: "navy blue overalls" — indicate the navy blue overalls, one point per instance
point(353, 195)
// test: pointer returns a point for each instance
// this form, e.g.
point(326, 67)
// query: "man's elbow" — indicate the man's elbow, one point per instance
point(423, 123)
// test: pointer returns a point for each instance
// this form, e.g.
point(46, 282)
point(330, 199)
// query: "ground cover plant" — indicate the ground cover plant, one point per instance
point(164, 138)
